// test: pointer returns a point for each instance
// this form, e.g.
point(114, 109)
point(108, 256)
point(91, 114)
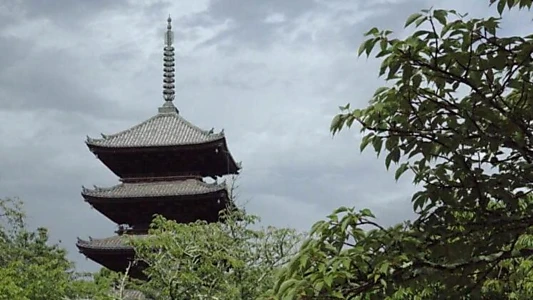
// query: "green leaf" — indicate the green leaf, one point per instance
point(286, 285)
point(374, 31)
point(336, 124)
point(501, 7)
point(420, 21)
point(380, 90)
point(367, 213)
point(345, 107)
point(440, 15)
point(412, 18)
point(388, 160)
point(384, 268)
point(416, 80)
point(377, 143)
point(341, 209)
point(365, 141)
point(376, 277)
point(362, 47)
point(393, 69)
point(403, 167)
point(370, 46)
point(367, 46)
point(345, 223)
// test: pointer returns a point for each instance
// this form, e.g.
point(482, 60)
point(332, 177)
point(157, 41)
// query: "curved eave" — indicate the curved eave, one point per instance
point(95, 145)
point(192, 188)
point(85, 247)
point(92, 199)
point(233, 166)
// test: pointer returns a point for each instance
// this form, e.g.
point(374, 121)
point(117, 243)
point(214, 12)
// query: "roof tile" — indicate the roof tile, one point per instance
point(155, 189)
point(167, 128)
point(118, 242)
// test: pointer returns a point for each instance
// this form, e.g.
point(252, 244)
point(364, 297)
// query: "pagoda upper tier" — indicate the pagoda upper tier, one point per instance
point(165, 145)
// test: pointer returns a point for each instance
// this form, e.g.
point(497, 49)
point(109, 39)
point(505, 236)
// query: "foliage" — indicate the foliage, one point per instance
point(30, 268)
point(228, 260)
point(457, 114)
point(102, 285)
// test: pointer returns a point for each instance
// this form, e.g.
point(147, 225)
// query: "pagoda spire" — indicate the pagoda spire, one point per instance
point(168, 64)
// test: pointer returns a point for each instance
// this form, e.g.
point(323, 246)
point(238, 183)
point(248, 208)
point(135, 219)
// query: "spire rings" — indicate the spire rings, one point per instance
point(168, 64)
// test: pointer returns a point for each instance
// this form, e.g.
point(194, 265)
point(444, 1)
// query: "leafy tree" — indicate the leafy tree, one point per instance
point(458, 115)
point(103, 285)
point(31, 268)
point(228, 260)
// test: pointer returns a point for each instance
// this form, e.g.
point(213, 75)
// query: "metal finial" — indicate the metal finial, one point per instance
point(168, 64)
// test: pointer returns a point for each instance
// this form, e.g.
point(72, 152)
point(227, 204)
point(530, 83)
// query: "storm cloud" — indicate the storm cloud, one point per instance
point(271, 73)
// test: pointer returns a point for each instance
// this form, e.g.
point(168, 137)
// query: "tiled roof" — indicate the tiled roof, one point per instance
point(155, 189)
point(118, 242)
point(167, 128)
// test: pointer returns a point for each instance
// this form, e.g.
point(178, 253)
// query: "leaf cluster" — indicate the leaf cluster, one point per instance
point(457, 113)
point(229, 260)
point(31, 267)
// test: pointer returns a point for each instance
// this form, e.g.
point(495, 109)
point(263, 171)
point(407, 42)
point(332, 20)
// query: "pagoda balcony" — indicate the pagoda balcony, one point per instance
point(183, 201)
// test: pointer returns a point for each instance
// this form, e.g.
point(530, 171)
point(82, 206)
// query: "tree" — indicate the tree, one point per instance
point(104, 285)
point(228, 260)
point(458, 115)
point(31, 268)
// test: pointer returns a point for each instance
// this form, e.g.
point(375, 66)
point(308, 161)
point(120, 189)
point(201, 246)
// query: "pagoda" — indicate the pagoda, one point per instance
point(161, 164)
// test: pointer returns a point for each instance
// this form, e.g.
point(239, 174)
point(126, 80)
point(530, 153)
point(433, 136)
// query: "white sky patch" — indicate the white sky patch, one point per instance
point(198, 35)
point(287, 211)
point(178, 8)
point(41, 30)
point(330, 20)
point(26, 131)
point(275, 18)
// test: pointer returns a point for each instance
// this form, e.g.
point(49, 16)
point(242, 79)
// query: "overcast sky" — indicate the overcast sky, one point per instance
point(272, 73)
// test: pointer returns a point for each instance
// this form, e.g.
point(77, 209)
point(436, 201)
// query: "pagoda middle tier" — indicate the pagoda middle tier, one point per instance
point(135, 204)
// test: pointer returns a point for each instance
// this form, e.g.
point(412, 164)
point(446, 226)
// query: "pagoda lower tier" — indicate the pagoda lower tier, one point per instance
point(184, 201)
point(132, 206)
point(113, 253)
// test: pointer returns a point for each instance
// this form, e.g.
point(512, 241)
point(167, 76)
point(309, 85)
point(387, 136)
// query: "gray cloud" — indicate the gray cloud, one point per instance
point(272, 74)
point(71, 14)
point(250, 25)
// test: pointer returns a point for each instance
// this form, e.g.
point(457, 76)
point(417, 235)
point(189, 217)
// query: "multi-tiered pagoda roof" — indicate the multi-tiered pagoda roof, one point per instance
point(161, 163)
